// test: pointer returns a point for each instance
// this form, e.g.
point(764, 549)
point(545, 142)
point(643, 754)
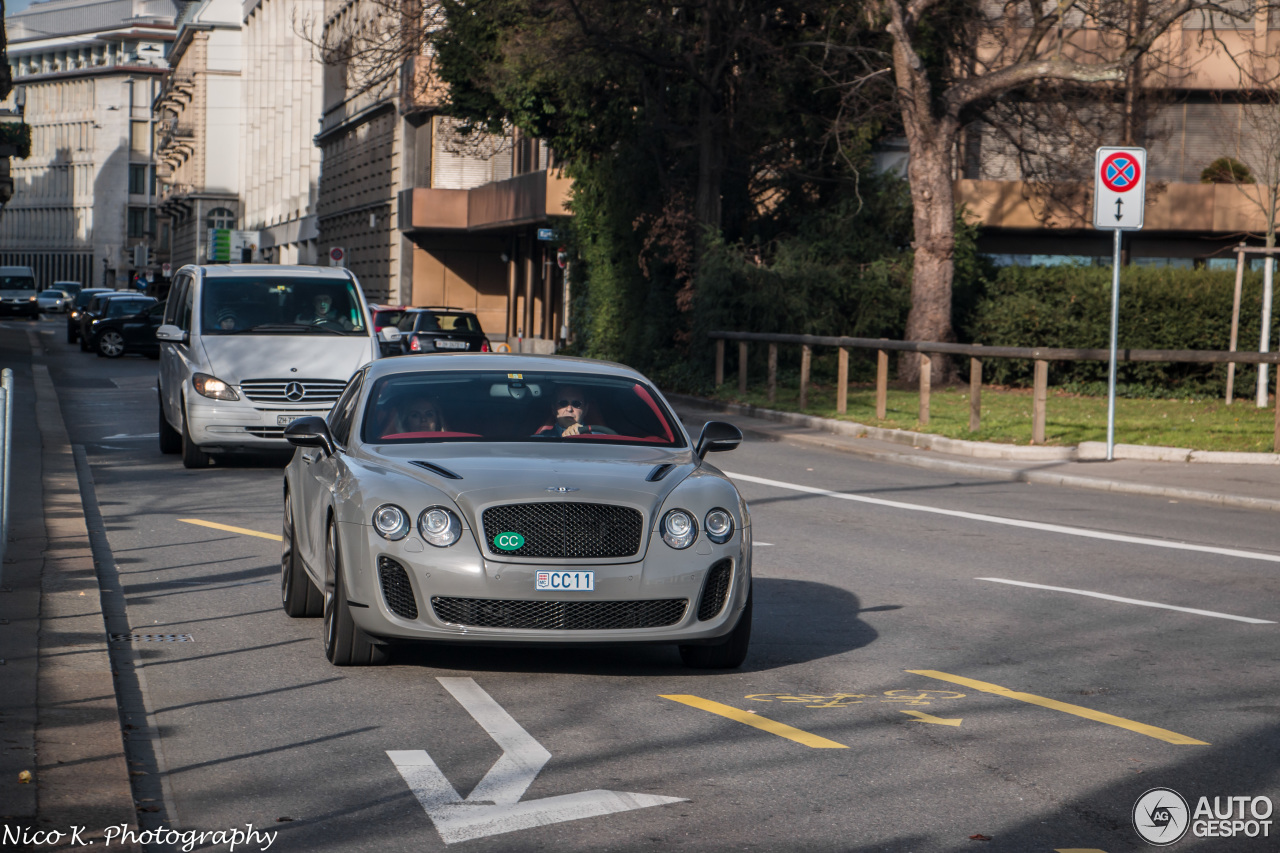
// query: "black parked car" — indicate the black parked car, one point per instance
point(118, 303)
point(113, 336)
point(441, 330)
point(82, 302)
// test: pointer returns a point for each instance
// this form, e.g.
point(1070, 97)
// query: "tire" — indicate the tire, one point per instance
point(298, 595)
point(728, 654)
point(84, 344)
point(192, 455)
point(71, 334)
point(344, 643)
point(111, 344)
point(170, 438)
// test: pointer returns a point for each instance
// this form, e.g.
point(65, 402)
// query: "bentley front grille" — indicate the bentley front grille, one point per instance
point(396, 591)
point(715, 589)
point(559, 615)
point(564, 530)
point(293, 392)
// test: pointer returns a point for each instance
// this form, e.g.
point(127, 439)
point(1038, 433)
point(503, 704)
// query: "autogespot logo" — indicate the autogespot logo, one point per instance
point(1160, 816)
point(509, 541)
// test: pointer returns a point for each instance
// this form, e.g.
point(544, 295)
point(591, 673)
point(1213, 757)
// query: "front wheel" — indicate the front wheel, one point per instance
point(170, 438)
point(728, 654)
point(111, 345)
point(192, 455)
point(298, 595)
point(344, 643)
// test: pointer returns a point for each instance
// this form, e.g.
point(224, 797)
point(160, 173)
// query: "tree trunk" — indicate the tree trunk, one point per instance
point(933, 204)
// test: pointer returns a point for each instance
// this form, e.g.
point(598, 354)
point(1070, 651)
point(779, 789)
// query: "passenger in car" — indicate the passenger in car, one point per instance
point(408, 411)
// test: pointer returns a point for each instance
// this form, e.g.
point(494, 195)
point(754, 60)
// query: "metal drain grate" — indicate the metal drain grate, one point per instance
point(152, 638)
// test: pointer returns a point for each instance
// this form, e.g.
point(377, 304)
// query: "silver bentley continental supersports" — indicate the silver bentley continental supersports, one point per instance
point(513, 499)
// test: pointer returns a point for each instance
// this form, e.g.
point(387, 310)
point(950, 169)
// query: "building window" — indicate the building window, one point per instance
point(138, 179)
point(142, 222)
point(220, 217)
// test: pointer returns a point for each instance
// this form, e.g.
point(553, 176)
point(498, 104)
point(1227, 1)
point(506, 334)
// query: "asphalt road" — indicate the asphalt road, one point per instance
point(926, 703)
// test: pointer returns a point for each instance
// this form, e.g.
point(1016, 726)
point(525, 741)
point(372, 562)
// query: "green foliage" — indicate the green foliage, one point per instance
point(17, 134)
point(1226, 170)
point(1160, 308)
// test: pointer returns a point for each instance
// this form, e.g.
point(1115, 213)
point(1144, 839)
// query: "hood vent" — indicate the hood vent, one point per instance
point(437, 469)
point(659, 472)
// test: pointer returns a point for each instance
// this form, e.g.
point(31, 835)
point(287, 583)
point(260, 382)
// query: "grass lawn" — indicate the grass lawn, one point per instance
point(1199, 424)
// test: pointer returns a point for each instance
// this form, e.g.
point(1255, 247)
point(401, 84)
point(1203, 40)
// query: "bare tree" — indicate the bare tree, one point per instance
point(953, 60)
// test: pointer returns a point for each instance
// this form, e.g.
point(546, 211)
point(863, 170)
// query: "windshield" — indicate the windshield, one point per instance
point(409, 408)
point(84, 297)
point(17, 282)
point(126, 307)
point(274, 305)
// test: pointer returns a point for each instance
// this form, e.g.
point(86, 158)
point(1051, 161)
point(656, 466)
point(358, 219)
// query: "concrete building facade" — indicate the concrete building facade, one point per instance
point(84, 78)
point(199, 124)
point(280, 164)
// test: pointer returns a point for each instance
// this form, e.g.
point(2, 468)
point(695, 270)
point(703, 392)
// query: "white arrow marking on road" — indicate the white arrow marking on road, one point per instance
point(494, 806)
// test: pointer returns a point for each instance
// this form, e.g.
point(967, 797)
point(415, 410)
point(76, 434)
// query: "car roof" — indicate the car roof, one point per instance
point(498, 362)
point(423, 309)
point(270, 271)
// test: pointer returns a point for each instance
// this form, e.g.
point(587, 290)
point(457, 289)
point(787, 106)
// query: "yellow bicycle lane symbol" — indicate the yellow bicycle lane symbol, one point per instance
point(844, 700)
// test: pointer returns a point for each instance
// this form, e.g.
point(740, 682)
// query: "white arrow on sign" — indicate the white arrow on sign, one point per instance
point(494, 807)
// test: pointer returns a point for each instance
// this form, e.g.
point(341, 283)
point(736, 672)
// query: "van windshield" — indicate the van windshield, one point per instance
point(280, 306)
point(17, 282)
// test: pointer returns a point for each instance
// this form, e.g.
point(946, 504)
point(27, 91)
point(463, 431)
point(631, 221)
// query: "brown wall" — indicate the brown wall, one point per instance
point(463, 272)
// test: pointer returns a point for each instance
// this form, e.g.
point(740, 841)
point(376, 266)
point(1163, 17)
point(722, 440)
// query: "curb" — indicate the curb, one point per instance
point(1086, 451)
point(836, 440)
point(83, 775)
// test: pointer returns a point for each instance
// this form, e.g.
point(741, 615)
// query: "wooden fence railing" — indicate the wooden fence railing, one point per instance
point(976, 352)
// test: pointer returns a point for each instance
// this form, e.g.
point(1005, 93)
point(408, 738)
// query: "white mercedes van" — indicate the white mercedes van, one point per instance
point(18, 292)
point(247, 348)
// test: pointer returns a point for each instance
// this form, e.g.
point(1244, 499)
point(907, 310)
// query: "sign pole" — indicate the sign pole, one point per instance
point(1115, 333)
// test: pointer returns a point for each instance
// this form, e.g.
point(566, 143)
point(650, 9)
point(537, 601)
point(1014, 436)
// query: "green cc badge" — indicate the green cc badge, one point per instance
point(509, 541)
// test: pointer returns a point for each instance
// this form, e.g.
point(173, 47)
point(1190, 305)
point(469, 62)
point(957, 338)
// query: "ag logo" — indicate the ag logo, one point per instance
point(1161, 816)
point(509, 541)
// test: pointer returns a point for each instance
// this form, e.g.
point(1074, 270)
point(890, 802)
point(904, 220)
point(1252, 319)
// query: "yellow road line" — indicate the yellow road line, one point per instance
point(1065, 707)
point(231, 529)
point(757, 721)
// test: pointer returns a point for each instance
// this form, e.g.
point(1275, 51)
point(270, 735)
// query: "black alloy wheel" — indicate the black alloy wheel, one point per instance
point(344, 643)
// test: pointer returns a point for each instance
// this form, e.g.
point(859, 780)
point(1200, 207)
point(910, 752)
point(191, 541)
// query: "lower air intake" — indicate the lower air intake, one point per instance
point(396, 591)
point(559, 615)
point(715, 590)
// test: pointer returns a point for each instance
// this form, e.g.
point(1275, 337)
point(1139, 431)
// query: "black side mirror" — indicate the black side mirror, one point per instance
point(309, 432)
point(717, 436)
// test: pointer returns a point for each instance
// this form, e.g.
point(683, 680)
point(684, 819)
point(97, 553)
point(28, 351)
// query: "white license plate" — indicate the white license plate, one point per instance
point(451, 344)
point(285, 420)
point(572, 581)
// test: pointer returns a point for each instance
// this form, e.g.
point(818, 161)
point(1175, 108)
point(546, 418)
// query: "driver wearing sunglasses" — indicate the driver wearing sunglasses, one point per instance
point(571, 407)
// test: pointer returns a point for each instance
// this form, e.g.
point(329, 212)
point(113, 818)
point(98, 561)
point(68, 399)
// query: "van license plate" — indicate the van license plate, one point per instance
point(285, 420)
point(565, 580)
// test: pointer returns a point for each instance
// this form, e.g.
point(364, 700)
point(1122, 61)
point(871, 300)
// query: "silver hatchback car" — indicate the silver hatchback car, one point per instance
point(513, 499)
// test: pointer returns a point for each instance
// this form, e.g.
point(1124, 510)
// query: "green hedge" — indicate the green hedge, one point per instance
point(1160, 308)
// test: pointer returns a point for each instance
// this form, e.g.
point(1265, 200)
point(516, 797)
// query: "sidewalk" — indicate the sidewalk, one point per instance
point(59, 720)
point(1242, 480)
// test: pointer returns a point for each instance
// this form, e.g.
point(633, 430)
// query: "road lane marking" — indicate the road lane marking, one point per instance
point(929, 718)
point(1078, 850)
point(1065, 707)
point(1137, 601)
point(756, 721)
point(1015, 522)
point(243, 530)
point(494, 806)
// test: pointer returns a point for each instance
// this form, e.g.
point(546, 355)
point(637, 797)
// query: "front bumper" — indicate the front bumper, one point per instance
point(230, 425)
point(463, 572)
point(27, 307)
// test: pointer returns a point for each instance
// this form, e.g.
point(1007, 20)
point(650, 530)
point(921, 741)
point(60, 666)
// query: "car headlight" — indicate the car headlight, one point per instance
point(75, 314)
point(719, 525)
point(31, 299)
point(678, 529)
point(439, 526)
point(213, 387)
point(391, 522)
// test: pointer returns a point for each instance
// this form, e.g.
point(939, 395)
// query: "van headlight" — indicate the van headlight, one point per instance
point(213, 387)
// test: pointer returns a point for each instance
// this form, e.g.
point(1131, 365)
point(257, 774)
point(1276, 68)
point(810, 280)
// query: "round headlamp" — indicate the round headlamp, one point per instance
point(719, 525)
point(391, 522)
point(678, 529)
point(439, 526)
